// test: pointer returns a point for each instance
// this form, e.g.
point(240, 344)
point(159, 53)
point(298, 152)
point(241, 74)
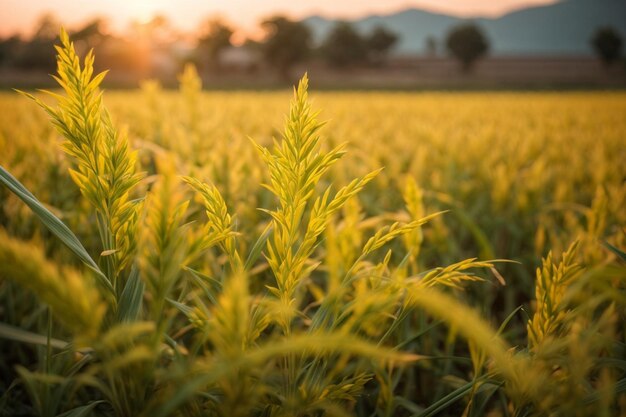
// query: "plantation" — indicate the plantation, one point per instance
point(201, 253)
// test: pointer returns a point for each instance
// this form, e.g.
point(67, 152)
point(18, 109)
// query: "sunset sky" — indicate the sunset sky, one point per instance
point(20, 15)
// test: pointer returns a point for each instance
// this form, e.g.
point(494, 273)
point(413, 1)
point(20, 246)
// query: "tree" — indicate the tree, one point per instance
point(344, 46)
point(47, 27)
point(286, 43)
point(9, 50)
point(379, 43)
point(607, 43)
point(467, 43)
point(430, 45)
point(35, 53)
point(93, 33)
point(215, 37)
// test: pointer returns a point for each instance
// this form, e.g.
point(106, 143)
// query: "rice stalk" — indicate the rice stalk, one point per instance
point(72, 297)
point(104, 165)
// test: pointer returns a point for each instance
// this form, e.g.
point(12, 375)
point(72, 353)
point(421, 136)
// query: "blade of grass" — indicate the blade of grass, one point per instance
point(451, 398)
point(131, 298)
point(618, 252)
point(256, 250)
point(55, 225)
point(84, 411)
point(19, 335)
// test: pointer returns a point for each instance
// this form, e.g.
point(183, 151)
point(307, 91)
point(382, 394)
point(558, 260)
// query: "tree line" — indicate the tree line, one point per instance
point(284, 43)
point(289, 42)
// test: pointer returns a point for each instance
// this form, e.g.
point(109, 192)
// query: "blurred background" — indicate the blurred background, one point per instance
point(350, 44)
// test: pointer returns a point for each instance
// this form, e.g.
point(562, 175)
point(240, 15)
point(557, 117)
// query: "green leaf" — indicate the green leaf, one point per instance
point(183, 308)
point(615, 250)
point(19, 335)
point(488, 393)
point(616, 389)
point(406, 404)
point(447, 401)
point(508, 319)
point(55, 225)
point(210, 286)
point(256, 250)
point(83, 411)
point(130, 301)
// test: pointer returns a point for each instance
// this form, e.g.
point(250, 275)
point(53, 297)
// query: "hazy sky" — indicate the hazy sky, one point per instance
point(19, 15)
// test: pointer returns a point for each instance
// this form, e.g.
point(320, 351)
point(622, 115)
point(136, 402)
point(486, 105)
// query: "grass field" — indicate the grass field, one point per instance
point(347, 294)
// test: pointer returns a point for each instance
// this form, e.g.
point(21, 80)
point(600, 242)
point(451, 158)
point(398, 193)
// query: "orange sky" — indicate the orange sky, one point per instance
point(19, 15)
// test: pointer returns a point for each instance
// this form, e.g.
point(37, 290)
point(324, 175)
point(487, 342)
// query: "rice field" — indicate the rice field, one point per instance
point(188, 252)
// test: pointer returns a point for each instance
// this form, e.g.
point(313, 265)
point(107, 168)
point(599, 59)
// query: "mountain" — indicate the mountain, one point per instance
point(563, 28)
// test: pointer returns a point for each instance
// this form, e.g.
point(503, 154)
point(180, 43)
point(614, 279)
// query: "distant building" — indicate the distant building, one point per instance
point(239, 58)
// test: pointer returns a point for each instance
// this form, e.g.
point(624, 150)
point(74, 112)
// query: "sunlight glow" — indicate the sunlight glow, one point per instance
point(19, 16)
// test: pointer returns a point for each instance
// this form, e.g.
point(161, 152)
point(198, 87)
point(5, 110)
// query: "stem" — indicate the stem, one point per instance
point(49, 343)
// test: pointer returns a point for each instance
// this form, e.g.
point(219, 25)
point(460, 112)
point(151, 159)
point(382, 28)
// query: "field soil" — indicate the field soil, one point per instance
point(410, 73)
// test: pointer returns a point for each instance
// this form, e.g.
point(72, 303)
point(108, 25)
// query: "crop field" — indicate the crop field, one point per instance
point(196, 253)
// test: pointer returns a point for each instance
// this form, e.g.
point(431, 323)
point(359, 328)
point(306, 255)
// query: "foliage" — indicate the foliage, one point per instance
point(328, 300)
point(344, 46)
point(467, 43)
point(430, 46)
point(379, 42)
point(105, 167)
point(34, 53)
point(286, 43)
point(607, 44)
point(215, 37)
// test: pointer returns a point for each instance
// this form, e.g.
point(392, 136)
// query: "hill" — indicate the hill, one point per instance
point(562, 28)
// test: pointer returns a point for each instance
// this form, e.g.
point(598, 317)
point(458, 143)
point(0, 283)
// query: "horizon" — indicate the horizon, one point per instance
point(187, 15)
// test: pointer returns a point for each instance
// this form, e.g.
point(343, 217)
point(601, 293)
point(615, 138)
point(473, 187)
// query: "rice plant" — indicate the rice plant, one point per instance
point(173, 295)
